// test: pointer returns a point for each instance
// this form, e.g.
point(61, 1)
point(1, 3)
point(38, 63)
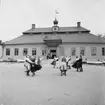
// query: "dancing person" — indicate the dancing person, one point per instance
point(33, 66)
point(63, 67)
point(27, 64)
point(69, 63)
point(78, 64)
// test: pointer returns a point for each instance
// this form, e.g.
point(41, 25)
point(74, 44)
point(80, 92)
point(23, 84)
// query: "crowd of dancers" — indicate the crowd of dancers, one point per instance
point(65, 63)
point(33, 64)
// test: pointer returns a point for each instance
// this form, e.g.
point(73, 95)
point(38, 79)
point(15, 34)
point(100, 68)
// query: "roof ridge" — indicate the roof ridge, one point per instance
point(61, 29)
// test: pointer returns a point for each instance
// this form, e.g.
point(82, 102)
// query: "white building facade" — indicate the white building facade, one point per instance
point(89, 51)
point(64, 41)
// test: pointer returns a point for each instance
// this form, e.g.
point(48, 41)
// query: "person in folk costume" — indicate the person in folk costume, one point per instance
point(69, 62)
point(63, 66)
point(34, 58)
point(33, 66)
point(54, 62)
point(67, 59)
point(39, 61)
point(41, 58)
point(75, 63)
point(59, 60)
point(78, 64)
point(37, 65)
point(56, 58)
point(75, 60)
point(27, 64)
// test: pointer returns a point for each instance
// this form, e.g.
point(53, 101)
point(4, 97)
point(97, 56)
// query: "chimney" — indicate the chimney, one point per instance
point(33, 26)
point(78, 24)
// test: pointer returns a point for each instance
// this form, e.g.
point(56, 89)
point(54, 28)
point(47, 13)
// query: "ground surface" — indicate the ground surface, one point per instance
point(49, 88)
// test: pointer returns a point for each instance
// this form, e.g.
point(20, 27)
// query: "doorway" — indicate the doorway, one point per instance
point(53, 53)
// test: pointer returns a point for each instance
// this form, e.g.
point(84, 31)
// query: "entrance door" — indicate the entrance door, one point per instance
point(53, 53)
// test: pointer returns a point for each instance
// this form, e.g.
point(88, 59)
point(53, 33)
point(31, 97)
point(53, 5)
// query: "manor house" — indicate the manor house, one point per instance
point(64, 41)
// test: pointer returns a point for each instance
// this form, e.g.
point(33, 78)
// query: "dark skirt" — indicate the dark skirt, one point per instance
point(77, 64)
point(53, 62)
point(35, 67)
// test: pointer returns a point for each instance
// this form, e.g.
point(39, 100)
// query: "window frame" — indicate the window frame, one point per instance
point(25, 51)
point(34, 51)
point(44, 52)
point(7, 51)
point(16, 51)
point(92, 51)
point(73, 48)
point(103, 51)
point(81, 49)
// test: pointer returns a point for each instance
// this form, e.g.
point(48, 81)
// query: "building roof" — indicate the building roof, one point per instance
point(61, 29)
point(75, 34)
point(69, 38)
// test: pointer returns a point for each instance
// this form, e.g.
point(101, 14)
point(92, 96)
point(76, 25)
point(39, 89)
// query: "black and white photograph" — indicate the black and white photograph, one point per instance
point(52, 52)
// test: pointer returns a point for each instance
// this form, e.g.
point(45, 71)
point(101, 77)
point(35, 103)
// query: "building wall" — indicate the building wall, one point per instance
point(88, 56)
point(62, 50)
point(1, 51)
point(39, 49)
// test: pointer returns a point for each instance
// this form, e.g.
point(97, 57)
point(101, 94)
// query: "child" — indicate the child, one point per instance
point(63, 67)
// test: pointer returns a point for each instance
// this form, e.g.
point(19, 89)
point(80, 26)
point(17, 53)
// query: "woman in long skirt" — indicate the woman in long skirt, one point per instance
point(33, 66)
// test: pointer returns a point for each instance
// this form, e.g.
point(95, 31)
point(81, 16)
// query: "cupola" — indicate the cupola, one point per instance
point(55, 22)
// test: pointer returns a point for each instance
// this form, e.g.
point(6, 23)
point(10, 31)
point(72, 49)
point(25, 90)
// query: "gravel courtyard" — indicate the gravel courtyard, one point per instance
point(49, 88)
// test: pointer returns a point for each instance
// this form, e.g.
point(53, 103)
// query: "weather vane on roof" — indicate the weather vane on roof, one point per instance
point(56, 12)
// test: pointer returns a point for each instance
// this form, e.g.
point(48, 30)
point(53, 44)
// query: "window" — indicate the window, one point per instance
point(103, 51)
point(16, 51)
point(93, 51)
point(25, 51)
point(34, 51)
point(73, 51)
point(43, 52)
point(8, 51)
point(82, 51)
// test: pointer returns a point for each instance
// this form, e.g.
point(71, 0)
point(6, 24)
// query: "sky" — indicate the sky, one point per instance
point(17, 16)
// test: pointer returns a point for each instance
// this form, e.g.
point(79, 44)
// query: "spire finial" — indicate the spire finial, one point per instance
point(56, 12)
point(56, 21)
